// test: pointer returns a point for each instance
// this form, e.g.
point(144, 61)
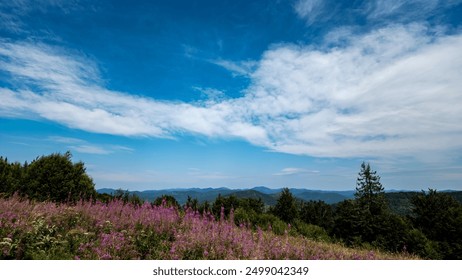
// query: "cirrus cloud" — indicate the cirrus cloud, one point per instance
point(391, 92)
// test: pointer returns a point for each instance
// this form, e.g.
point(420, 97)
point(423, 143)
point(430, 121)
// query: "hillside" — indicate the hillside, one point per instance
point(100, 231)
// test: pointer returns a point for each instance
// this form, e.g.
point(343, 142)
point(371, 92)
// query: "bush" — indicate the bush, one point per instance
point(244, 217)
point(310, 231)
point(419, 244)
point(270, 222)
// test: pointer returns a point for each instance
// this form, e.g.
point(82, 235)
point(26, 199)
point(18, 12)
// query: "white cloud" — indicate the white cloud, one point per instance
point(295, 171)
point(311, 10)
point(84, 147)
point(410, 10)
point(374, 11)
point(66, 140)
point(241, 68)
point(211, 95)
point(391, 92)
point(89, 149)
point(13, 13)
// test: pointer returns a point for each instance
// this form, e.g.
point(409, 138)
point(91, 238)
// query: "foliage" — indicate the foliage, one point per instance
point(123, 226)
point(311, 231)
point(286, 207)
point(369, 191)
point(54, 177)
point(227, 203)
point(417, 243)
point(400, 202)
point(367, 221)
point(317, 213)
point(126, 197)
point(11, 176)
point(166, 200)
point(252, 204)
point(348, 222)
point(439, 217)
point(192, 203)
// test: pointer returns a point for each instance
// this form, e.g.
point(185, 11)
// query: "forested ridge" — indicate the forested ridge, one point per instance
point(428, 226)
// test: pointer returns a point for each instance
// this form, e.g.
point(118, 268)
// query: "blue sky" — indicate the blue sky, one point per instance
point(162, 94)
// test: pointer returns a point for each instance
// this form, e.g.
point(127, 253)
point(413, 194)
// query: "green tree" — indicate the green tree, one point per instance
point(317, 213)
point(192, 203)
point(367, 219)
point(204, 207)
point(349, 222)
point(369, 191)
point(439, 217)
point(127, 197)
point(10, 176)
point(286, 206)
point(167, 200)
point(55, 177)
point(252, 204)
point(227, 202)
point(370, 197)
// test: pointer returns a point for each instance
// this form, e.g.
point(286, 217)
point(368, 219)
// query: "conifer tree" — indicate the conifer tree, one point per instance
point(286, 207)
point(369, 191)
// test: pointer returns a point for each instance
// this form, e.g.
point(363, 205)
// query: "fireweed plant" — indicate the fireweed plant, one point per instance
point(118, 230)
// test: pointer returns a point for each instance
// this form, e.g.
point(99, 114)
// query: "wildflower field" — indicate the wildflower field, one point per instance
point(118, 230)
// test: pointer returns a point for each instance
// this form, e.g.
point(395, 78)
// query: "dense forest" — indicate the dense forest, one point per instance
point(429, 227)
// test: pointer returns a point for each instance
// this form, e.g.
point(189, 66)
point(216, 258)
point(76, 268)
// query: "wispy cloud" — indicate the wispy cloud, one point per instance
point(391, 92)
point(295, 171)
point(241, 68)
point(88, 149)
point(84, 147)
point(405, 11)
point(311, 10)
point(372, 11)
point(13, 12)
point(211, 95)
point(66, 140)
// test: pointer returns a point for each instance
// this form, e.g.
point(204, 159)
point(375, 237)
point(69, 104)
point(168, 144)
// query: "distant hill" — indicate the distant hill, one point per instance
point(268, 196)
point(399, 201)
point(181, 195)
point(327, 197)
point(266, 190)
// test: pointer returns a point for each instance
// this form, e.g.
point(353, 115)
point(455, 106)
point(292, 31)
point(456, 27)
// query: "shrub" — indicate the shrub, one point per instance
point(310, 231)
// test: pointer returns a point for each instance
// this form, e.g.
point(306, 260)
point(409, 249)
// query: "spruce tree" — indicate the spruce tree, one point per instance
point(372, 206)
point(370, 193)
point(286, 207)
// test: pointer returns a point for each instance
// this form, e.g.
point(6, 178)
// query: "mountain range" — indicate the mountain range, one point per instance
point(398, 200)
point(267, 195)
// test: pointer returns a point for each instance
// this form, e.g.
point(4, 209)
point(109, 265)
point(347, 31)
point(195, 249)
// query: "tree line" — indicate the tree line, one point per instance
point(432, 229)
